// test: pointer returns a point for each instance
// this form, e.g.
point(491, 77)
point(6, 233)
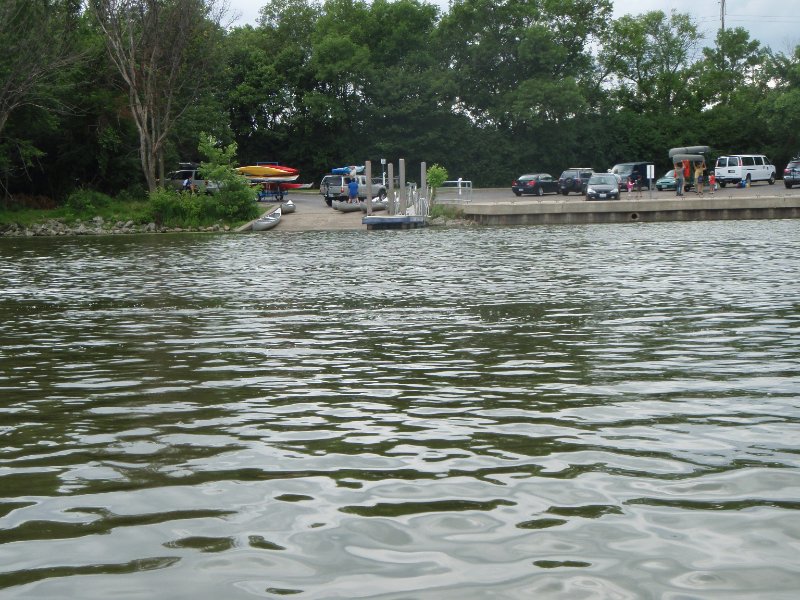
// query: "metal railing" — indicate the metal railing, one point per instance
point(459, 190)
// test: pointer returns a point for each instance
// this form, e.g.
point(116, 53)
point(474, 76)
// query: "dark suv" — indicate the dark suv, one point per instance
point(791, 174)
point(574, 179)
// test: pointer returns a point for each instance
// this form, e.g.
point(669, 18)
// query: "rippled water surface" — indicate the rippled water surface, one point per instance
point(570, 412)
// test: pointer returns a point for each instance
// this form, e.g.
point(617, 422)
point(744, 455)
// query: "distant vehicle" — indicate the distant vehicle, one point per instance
point(736, 168)
point(574, 179)
point(175, 180)
point(667, 182)
point(791, 174)
point(637, 169)
point(602, 186)
point(535, 183)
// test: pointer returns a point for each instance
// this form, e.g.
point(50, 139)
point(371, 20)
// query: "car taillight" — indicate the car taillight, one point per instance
point(531, 183)
point(514, 183)
point(786, 171)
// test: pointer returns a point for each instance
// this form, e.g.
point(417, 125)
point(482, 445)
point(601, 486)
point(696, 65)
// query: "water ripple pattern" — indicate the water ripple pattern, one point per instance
point(603, 411)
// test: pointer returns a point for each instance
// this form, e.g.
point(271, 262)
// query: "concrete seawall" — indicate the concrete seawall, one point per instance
point(496, 208)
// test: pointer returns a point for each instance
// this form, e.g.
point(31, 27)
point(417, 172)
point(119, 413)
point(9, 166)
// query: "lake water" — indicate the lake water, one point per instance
point(607, 411)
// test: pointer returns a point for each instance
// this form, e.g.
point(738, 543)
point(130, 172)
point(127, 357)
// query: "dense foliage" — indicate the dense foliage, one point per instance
point(487, 90)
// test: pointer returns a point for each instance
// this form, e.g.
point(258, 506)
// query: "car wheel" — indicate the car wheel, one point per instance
point(771, 179)
point(788, 185)
point(722, 184)
point(659, 188)
point(539, 191)
point(747, 180)
point(565, 192)
point(518, 194)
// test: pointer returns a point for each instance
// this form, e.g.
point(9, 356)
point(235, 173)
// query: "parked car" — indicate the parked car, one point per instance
point(334, 187)
point(667, 182)
point(637, 169)
point(744, 167)
point(791, 174)
point(176, 179)
point(574, 179)
point(535, 183)
point(602, 186)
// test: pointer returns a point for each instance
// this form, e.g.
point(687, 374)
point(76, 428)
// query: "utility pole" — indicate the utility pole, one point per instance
point(722, 13)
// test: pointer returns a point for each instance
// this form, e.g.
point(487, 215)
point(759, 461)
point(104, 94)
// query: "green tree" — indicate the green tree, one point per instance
point(35, 64)
point(163, 51)
point(650, 58)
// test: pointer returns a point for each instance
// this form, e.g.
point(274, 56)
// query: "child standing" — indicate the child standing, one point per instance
point(630, 186)
point(712, 182)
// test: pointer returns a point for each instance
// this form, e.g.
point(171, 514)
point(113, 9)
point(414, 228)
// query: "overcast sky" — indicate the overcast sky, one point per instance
point(775, 23)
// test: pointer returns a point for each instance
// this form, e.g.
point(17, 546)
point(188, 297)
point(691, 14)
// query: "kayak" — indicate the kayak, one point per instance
point(268, 171)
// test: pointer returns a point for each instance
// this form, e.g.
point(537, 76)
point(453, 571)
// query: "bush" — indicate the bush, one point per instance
point(87, 201)
point(180, 209)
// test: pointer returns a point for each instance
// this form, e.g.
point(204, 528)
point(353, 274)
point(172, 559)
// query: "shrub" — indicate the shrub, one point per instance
point(436, 176)
point(87, 201)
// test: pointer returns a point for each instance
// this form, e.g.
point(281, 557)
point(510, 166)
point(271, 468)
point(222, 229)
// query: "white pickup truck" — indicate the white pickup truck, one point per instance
point(334, 187)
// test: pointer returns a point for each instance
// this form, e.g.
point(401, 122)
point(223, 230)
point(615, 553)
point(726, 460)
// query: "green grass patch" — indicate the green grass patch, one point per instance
point(448, 211)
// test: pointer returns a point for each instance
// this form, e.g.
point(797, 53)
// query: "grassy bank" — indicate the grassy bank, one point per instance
point(165, 208)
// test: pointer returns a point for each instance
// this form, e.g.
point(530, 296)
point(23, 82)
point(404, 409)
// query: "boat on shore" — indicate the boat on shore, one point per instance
point(344, 206)
point(377, 204)
point(287, 207)
point(267, 221)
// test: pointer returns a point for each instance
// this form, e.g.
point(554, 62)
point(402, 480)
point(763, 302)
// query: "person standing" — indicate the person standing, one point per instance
point(699, 167)
point(630, 185)
point(352, 189)
point(679, 179)
point(712, 182)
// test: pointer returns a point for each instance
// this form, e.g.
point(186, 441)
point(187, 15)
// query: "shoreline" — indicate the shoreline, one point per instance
point(486, 206)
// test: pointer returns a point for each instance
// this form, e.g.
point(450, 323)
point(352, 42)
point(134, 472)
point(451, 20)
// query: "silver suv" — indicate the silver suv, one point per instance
point(190, 171)
point(334, 187)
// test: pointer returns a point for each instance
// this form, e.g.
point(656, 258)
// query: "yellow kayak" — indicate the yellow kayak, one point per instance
point(267, 171)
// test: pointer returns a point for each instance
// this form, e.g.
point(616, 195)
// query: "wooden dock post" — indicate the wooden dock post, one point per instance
point(390, 191)
point(403, 199)
point(368, 170)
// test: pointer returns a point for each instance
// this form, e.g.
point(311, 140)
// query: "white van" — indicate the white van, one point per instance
point(744, 167)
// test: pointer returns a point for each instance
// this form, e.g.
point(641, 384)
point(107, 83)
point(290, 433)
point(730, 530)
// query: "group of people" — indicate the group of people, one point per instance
point(683, 170)
point(634, 183)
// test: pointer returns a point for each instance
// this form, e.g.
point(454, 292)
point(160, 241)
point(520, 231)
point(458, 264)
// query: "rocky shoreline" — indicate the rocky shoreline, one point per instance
point(98, 226)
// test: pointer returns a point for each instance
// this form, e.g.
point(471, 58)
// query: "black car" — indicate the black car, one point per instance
point(791, 174)
point(535, 183)
point(574, 180)
point(602, 186)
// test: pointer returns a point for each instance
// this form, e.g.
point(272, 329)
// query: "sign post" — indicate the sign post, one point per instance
point(651, 174)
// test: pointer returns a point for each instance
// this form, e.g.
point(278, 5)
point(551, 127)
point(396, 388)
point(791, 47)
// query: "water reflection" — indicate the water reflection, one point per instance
point(566, 412)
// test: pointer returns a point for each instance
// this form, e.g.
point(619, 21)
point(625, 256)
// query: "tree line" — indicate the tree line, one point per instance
point(112, 94)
